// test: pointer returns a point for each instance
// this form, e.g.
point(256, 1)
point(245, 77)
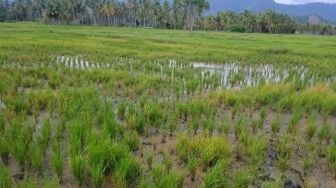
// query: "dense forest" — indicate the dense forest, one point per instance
point(178, 14)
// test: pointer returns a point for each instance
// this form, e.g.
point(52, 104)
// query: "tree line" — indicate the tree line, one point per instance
point(175, 14)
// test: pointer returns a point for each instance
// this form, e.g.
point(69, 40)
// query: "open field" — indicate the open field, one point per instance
point(122, 107)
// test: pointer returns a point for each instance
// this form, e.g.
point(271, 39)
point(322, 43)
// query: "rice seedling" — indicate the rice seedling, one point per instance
point(263, 113)
point(284, 154)
point(57, 164)
point(150, 160)
point(332, 158)
point(167, 161)
point(131, 140)
point(242, 178)
point(127, 172)
point(224, 128)
point(4, 150)
point(158, 173)
point(172, 180)
point(208, 149)
point(97, 174)
point(172, 123)
point(294, 122)
point(2, 123)
point(44, 137)
point(36, 156)
point(209, 125)
point(122, 110)
point(325, 134)
point(311, 128)
point(218, 176)
point(276, 125)
point(257, 150)
point(192, 166)
point(78, 168)
point(5, 178)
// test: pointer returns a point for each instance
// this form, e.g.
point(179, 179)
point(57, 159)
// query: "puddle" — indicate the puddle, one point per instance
point(235, 75)
point(206, 76)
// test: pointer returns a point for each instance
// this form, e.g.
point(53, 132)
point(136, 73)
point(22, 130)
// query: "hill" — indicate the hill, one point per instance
point(324, 10)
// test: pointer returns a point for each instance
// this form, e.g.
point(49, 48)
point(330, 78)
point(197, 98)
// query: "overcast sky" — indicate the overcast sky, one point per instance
point(303, 1)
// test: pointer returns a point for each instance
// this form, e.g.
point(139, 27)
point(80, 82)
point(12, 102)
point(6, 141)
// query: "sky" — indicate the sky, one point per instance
point(303, 1)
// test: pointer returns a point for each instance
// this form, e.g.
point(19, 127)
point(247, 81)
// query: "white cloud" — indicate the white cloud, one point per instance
point(303, 1)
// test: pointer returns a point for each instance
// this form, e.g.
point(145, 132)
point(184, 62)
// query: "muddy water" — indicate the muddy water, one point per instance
point(232, 75)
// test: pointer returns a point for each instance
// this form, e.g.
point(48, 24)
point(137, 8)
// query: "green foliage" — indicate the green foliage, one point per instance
point(36, 155)
point(225, 128)
point(311, 128)
point(4, 149)
point(325, 133)
point(57, 164)
point(132, 140)
point(332, 158)
point(5, 178)
point(78, 168)
point(276, 125)
point(192, 166)
point(208, 149)
point(242, 178)
point(218, 176)
point(97, 174)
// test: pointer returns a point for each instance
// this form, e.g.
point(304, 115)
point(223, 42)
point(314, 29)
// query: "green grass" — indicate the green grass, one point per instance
point(101, 43)
point(145, 120)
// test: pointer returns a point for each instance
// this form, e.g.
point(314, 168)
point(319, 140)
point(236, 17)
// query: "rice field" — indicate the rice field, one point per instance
point(124, 107)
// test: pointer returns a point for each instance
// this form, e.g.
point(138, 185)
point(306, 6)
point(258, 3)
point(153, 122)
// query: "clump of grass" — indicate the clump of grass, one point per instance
point(5, 178)
point(97, 174)
point(192, 165)
point(172, 123)
point(284, 154)
point(208, 149)
point(209, 125)
point(122, 110)
point(308, 162)
point(158, 173)
point(172, 179)
point(311, 128)
point(78, 167)
point(256, 150)
point(263, 113)
point(21, 135)
point(57, 164)
point(44, 137)
point(150, 160)
point(332, 158)
point(276, 124)
point(194, 124)
point(132, 140)
point(324, 133)
point(167, 161)
point(217, 176)
point(4, 149)
point(242, 177)
point(256, 124)
point(294, 122)
point(2, 123)
point(239, 127)
point(110, 127)
point(127, 172)
point(224, 128)
point(36, 157)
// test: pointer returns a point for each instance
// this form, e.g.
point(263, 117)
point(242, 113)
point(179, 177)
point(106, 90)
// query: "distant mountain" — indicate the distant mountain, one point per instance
point(324, 10)
point(312, 19)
